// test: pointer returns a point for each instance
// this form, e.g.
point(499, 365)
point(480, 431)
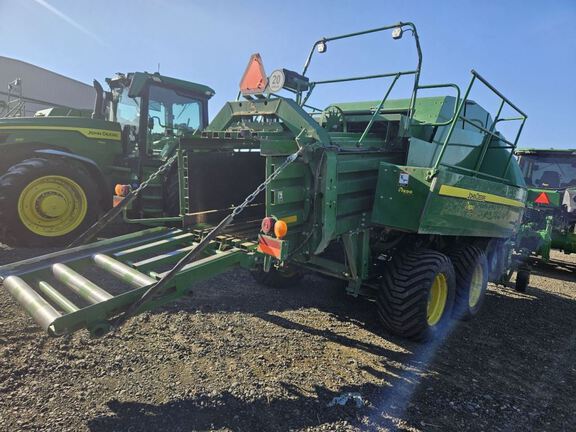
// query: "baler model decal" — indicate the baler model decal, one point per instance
point(290, 219)
point(87, 132)
point(473, 195)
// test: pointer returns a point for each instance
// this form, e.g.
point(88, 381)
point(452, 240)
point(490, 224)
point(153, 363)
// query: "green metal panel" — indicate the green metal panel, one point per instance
point(401, 194)
point(472, 207)
point(555, 197)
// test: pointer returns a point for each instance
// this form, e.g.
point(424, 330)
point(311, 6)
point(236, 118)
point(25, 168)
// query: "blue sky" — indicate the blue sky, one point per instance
point(527, 49)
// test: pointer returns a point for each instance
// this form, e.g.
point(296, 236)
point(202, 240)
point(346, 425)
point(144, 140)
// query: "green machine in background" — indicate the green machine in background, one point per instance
point(59, 169)
point(411, 202)
point(550, 219)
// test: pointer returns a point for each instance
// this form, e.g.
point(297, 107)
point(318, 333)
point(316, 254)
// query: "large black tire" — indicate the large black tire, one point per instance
point(46, 202)
point(522, 280)
point(403, 298)
point(275, 278)
point(471, 268)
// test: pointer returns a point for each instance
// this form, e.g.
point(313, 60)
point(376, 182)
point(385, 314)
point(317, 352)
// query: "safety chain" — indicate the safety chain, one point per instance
point(111, 214)
point(157, 287)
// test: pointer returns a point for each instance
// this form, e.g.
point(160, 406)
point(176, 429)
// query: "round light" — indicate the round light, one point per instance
point(397, 33)
point(267, 225)
point(122, 190)
point(280, 229)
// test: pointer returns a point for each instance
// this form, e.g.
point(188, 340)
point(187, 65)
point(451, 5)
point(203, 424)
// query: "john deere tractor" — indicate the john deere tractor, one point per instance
point(410, 202)
point(59, 169)
point(550, 218)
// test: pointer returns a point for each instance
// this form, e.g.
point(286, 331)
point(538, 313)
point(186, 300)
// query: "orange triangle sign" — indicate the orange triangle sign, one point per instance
point(254, 80)
point(542, 199)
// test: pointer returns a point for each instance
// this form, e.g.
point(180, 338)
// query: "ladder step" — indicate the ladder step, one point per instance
point(123, 271)
point(54, 295)
point(79, 284)
point(38, 308)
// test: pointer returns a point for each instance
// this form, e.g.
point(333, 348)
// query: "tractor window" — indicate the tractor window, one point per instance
point(128, 109)
point(550, 172)
point(173, 111)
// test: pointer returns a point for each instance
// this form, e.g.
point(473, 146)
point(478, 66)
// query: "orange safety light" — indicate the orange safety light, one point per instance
point(280, 229)
point(254, 80)
point(542, 199)
point(121, 190)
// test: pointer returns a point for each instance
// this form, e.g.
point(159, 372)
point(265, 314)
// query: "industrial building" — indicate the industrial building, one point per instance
point(26, 88)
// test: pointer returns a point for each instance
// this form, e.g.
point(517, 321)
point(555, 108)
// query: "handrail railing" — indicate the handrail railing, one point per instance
point(416, 72)
point(489, 132)
point(430, 86)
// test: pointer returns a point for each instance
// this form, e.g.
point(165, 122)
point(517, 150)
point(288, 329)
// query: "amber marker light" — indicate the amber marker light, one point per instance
point(280, 229)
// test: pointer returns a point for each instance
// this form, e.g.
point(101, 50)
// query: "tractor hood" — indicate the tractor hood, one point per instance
point(29, 127)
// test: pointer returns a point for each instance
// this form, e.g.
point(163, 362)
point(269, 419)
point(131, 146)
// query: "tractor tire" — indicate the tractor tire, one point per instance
point(276, 278)
point(46, 202)
point(522, 280)
point(417, 293)
point(471, 269)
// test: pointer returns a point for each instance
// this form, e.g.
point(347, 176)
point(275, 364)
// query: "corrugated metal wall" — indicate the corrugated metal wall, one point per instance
point(43, 85)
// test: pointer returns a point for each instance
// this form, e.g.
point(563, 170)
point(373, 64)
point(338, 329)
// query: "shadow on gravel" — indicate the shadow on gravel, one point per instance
point(229, 412)
point(244, 295)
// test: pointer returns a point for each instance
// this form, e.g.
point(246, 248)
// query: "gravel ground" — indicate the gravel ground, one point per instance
point(240, 357)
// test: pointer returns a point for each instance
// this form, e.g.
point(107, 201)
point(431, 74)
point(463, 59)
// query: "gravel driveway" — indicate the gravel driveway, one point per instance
point(236, 356)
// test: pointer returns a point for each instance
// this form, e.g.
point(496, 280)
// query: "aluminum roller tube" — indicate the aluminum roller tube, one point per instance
point(38, 308)
point(122, 271)
point(80, 285)
point(53, 294)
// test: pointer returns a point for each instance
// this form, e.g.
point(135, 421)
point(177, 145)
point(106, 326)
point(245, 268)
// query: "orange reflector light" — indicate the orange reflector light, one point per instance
point(254, 80)
point(122, 190)
point(542, 199)
point(280, 229)
point(270, 246)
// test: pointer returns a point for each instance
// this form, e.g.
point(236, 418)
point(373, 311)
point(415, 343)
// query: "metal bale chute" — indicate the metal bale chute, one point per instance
point(71, 301)
point(411, 202)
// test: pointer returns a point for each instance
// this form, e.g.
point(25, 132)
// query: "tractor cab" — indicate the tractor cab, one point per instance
point(153, 111)
point(550, 220)
point(548, 169)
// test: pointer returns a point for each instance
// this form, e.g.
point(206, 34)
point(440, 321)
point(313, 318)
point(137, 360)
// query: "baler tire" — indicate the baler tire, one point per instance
point(522, 280)
point(471, 269)
point(277, 279)
point(405, 293)
point(26, 224)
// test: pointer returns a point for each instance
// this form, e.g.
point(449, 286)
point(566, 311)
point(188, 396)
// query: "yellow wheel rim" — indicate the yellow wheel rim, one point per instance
point(437, 299)
point(476, 286)
point(52, 206)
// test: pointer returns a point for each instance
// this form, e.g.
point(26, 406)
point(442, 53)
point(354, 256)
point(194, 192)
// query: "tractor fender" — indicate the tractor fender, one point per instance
point(92, 168)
